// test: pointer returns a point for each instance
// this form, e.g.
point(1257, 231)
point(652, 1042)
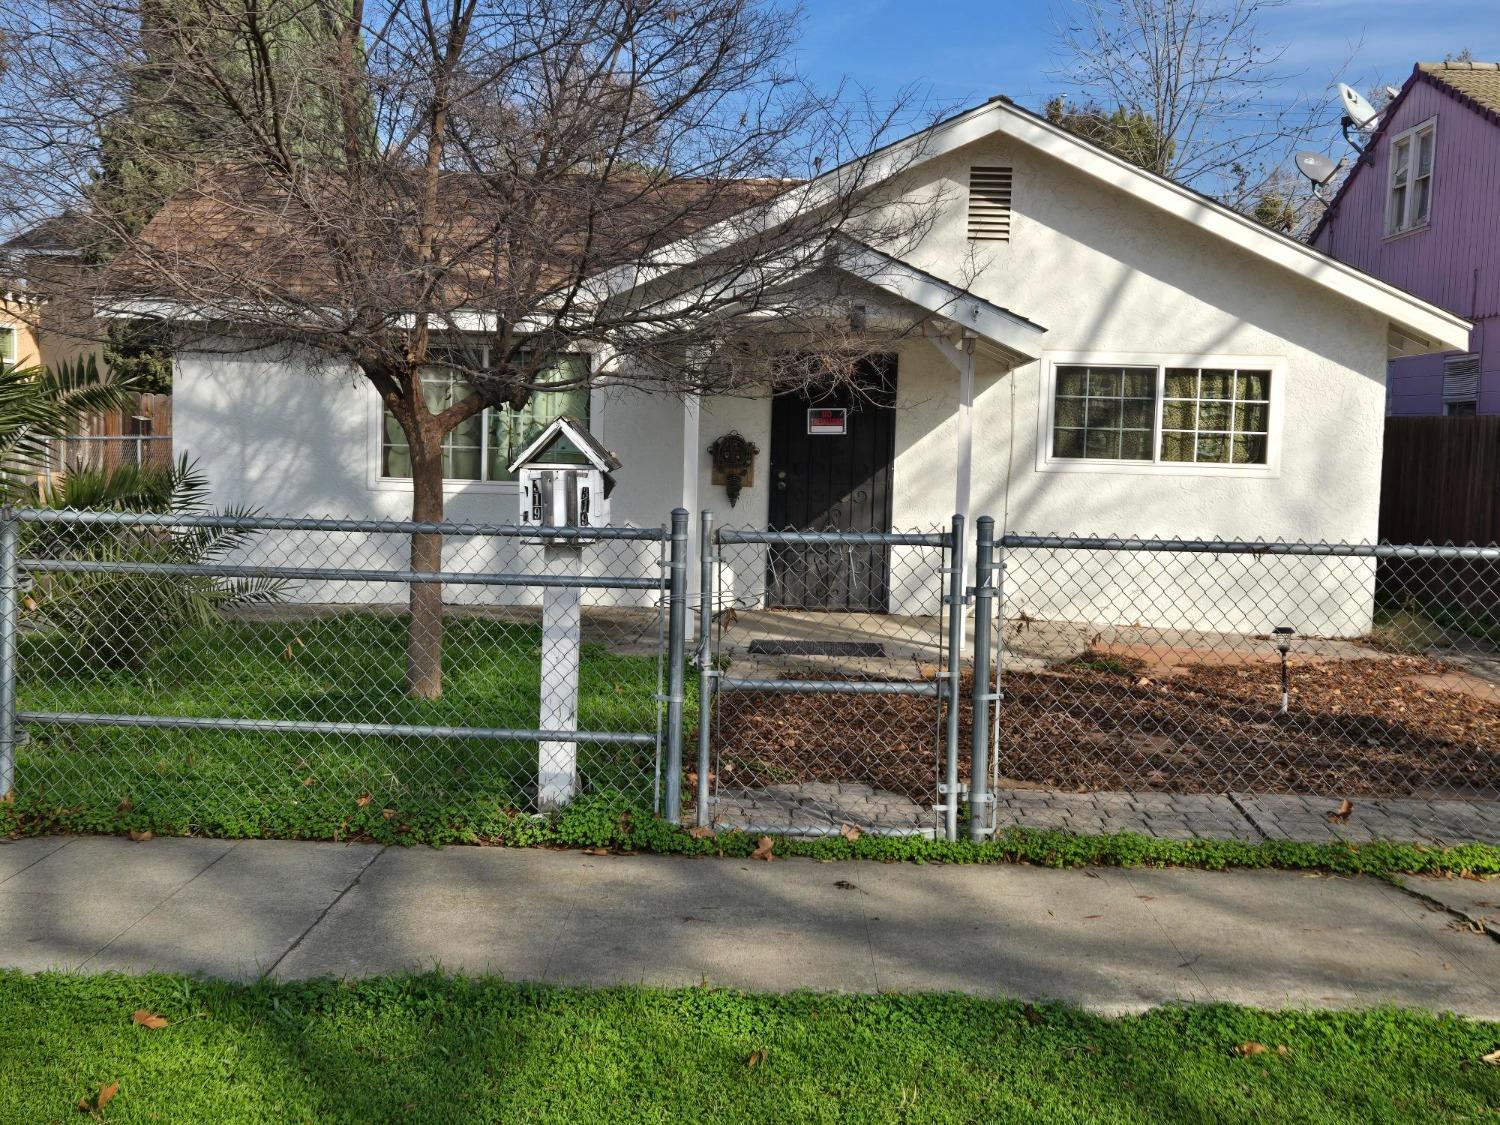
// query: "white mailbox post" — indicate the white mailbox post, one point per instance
point(565, 480)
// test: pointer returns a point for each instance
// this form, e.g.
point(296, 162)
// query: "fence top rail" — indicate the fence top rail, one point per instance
point(318, 523)
point(1246, 547)
point(837, 538)
point(340, 574)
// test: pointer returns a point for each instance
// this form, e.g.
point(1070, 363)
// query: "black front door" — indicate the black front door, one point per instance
point(831, 454)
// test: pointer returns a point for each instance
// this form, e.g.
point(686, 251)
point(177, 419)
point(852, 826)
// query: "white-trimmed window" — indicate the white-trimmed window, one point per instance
point(1408, 202)
point(8, 343)
point(481, 448)
point(1161, 414)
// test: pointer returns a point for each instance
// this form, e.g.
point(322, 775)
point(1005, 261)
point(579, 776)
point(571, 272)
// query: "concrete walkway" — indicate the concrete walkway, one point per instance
point(1112, 940)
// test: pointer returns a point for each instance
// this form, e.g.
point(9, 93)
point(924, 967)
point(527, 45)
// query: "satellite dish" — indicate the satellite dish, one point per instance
point(1316, 167)
point(1359, 111)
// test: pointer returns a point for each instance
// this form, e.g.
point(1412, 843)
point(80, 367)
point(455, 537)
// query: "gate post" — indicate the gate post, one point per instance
point(9, 620)
point(706, 671)
point(986, 580)
point(676, 654)
point(955, 600)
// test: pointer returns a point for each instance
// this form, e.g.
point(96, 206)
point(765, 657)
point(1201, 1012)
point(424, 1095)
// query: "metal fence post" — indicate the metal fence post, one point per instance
point(955, 600)
point(706, 562)
point(9, 598)
point(985, 592)
point(676, 654)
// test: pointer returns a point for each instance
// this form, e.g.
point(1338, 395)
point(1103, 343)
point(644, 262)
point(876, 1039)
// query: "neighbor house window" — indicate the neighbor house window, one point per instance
point(1161, 415)
point(481, 448)
point(7, 343)
point(1409, 196)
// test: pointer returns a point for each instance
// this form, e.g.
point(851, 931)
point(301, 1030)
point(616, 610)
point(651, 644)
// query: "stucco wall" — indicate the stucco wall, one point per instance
point(270, 434)
point(1100, 273)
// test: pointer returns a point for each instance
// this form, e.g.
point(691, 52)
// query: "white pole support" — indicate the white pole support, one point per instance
point(562, 639)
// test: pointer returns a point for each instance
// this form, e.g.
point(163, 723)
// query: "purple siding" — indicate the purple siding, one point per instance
point(1455, 260)
point(1451, 262)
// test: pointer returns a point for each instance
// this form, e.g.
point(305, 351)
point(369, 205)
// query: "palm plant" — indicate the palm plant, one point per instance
point(114, 619)
point(39, 405)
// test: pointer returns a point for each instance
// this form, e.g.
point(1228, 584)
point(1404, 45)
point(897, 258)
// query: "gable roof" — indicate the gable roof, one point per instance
point(575, 431)
point(1416, 320)
point(1472, 84)
point(1008, 330)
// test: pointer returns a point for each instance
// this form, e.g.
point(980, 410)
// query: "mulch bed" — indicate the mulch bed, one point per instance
point(1358, 727)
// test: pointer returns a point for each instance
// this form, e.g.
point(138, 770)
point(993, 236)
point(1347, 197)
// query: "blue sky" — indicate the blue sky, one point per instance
point(963, 51)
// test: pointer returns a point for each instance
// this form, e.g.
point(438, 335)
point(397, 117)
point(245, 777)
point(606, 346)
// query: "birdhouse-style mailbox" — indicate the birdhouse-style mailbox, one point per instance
point(566, 477)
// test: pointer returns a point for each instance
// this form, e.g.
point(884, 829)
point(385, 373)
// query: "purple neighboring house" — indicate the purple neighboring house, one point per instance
point(1421, 210)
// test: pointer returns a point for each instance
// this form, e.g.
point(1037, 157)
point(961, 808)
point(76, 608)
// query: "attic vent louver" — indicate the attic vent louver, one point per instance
point(989, 203)
point(1461, 378)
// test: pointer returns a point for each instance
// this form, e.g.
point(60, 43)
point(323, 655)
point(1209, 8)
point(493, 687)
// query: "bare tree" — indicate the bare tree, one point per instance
point(1196, 83)
point(481, 184)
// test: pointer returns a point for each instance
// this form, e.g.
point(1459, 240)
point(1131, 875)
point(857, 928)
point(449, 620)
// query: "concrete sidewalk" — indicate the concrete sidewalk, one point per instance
point(1112, 940)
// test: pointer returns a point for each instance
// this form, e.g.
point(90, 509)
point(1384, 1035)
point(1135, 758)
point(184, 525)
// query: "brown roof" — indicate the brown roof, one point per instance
point(1477, 81)
point(240, 231)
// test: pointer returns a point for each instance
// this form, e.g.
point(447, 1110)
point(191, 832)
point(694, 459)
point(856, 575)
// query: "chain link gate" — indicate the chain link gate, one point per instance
point(821, 712)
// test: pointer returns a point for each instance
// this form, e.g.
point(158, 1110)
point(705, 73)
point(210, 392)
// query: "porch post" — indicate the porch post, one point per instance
point(692, 410)
point(965, 453)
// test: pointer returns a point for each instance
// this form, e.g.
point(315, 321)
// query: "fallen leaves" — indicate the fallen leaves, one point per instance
point(140, 836)
point(1250, 1048)
point(701, 832)
point(362, 800)
point(149, 1019)
point(845, 885)
point(1341, 814)
point(850, 832)
point(125, 805)
point(101, 1099)
point(763, 848)
point(1491, 1059)
point(756, 1058)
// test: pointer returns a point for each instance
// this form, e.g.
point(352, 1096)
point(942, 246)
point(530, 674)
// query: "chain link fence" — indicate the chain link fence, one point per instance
point(254, 674)
point(105, 453)
point(1327, 669)
point(831, 670)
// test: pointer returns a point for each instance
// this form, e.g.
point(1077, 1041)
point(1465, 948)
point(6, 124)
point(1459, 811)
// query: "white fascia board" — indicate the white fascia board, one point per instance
point(1441, 329)
point(936, 296)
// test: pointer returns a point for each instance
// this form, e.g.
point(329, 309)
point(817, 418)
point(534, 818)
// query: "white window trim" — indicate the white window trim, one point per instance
point(1411, 135)
point(376, 481)
point(15, 341)
point(1047, 404)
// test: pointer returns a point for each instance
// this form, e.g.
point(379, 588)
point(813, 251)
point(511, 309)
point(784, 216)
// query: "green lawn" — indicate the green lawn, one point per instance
point(343, 668)
point(445, 1049)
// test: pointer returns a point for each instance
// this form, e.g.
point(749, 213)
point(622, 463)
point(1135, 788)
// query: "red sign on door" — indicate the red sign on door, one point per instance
point(828, 420)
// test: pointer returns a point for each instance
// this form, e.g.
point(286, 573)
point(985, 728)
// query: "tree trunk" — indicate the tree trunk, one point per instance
point(424, 638)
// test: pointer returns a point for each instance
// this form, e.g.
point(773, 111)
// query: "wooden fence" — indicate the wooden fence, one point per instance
point(1440, 480)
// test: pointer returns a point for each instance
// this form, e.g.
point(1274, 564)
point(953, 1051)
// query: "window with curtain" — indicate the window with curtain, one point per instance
point(482, 447)
point(1161, 415)
point(7, 343)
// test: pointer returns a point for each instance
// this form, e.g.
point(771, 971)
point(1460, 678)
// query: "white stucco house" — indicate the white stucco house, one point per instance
point(1126, 357)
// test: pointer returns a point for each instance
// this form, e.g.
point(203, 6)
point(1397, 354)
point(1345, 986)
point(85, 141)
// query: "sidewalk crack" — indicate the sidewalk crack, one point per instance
point(176, 891)
point(316, 922)
point(38, 860)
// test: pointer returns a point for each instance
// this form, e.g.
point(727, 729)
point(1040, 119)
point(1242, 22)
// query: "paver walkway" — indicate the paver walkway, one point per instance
point(1113, 940)
point(809, 806)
